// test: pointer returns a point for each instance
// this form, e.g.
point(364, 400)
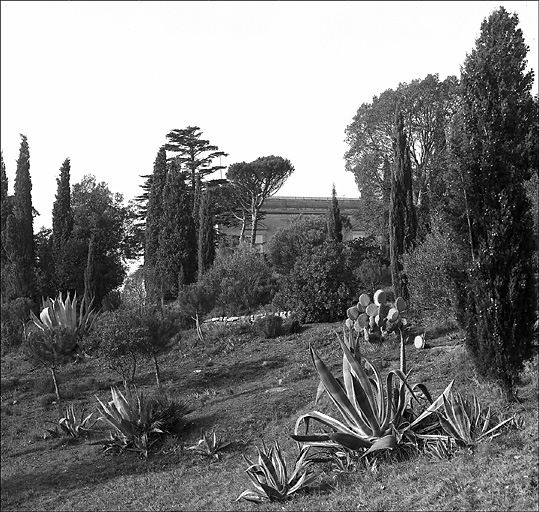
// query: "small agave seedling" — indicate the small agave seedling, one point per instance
point(209, 445)
point(270, 475)
point(71, 425)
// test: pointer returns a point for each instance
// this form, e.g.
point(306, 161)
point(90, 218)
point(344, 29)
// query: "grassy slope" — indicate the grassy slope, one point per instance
point(249, 390)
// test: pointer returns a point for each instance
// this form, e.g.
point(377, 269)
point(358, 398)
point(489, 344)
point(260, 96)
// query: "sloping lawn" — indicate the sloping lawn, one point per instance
point(251, 390)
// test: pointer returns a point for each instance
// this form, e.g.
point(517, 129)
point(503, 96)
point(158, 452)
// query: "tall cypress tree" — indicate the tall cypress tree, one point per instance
point(493, 157)
point(24, 222)
point(206, 234)
point(153, 221)
point(5, 208)
point(62, 221)
point(402, 216)
point(177, 249)
point(334, 221)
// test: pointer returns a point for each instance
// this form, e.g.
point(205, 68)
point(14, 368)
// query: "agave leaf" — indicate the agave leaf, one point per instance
point(45, 317)
point(486, 422)
point(501, 424)
point(365, 398)
point(384, 443)
point(424, 390)
point(269, 469)
point(280, 463)
point(349, 441)
point(304, 481)
point(338, 396)
point(336, 425)
point(453, 412)
point(448, 427)
point(461, 415)
point(433, 406)
point(251, 496)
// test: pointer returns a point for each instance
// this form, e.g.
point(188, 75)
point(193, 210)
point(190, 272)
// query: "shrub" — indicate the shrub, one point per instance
point(116, 337)
point(302, 235)
point(14, 315)
point(160, 332)
point(372, 274)
point(432, 269)
point(239, 281)
point(320, 285)
point(292, 325)
point(269, 326)
point(138, 422)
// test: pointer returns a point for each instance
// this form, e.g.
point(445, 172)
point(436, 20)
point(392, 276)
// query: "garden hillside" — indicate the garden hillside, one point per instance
point(250, 390)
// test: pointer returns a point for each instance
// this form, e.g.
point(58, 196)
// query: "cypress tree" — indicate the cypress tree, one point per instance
point(24, 222)
point(334, 221)
point(62, 221)
point(177, 249)
point(153, 220)
point(402, 217)
point(5, 208)
point(493, 156)
point(206, 235)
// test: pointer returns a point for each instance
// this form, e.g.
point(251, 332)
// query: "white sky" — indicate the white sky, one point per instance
point(103, 82)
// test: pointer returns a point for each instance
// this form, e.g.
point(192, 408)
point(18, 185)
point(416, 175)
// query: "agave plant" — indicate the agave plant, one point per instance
point(270, 475)
point(209, 445)
point(60, 313)
point(467, 422)
point(72, 425)
point(374, 417)
point(134, 429)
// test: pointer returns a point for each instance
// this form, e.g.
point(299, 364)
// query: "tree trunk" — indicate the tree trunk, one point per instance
point(156, 365)
point(55, 381)
point(254, 225)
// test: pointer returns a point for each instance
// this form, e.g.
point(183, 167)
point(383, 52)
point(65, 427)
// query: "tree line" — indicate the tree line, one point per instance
point(451, 164)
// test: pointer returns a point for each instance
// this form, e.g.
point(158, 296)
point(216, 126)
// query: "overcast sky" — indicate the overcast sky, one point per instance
point(104, 82)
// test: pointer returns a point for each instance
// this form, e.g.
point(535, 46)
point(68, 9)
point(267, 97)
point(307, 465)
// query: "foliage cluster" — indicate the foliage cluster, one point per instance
point(434, 269)
point(239, 281)
point(14, 316)
point(124, 336)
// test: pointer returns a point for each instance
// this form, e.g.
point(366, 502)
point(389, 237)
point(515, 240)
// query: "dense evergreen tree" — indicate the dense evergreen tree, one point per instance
point(494, 160)
point(194, 154)
point(23, 224)
point(5, 207)
point(334, 221)
point(206, 233)
point(62, 222)
point(45, 267)
point(153, 222)
point(176, 263)
point(402, 217)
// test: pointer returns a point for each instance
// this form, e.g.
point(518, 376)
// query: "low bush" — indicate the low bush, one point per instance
point(433, 269)
point(14, 315)
point(239, 281)
point(319, 287)
point(269, 326)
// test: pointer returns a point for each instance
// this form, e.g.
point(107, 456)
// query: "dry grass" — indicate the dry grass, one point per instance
point(248, 390)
